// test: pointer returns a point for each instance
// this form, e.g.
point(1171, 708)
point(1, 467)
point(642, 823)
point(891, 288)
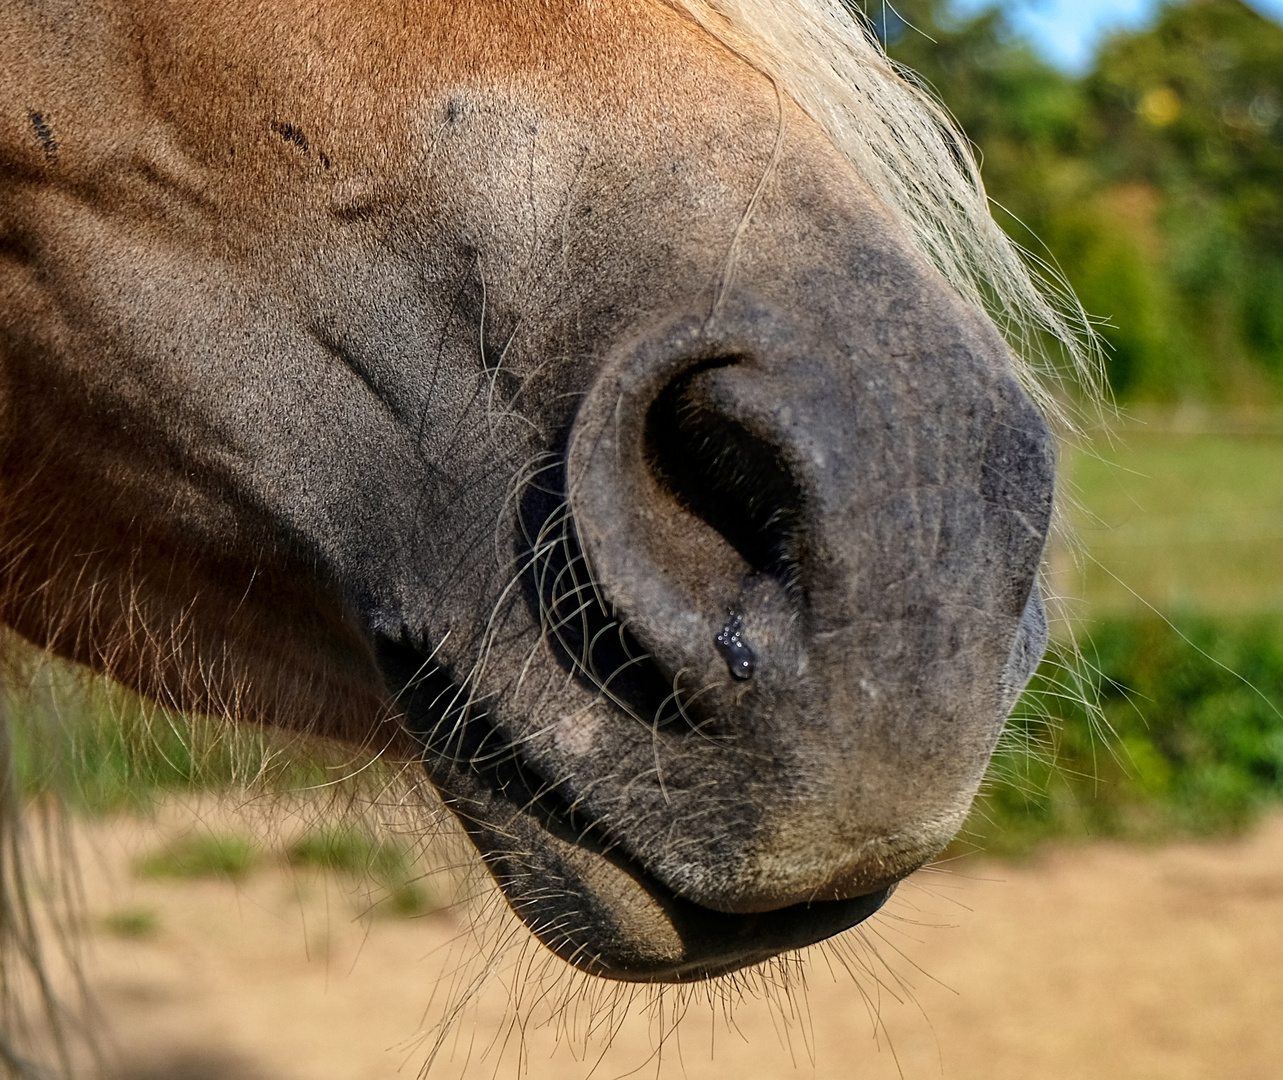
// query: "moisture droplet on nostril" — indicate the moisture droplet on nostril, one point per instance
point(735, 650)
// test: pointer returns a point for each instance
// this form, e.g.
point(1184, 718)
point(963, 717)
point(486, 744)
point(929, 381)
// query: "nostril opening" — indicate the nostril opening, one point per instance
point(732, 479)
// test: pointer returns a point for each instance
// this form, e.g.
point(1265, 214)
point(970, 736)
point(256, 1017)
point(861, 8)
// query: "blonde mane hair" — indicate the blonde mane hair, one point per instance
point(904, 144)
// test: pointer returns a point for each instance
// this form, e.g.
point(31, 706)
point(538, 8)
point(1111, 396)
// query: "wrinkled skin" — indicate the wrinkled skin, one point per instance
point(316, 317)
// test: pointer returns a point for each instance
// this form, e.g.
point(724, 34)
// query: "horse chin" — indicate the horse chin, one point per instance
point(574, 886)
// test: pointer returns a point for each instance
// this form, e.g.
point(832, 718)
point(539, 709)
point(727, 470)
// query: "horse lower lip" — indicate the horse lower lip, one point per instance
point(714, 942)
point(486, 784)
point(736, 941)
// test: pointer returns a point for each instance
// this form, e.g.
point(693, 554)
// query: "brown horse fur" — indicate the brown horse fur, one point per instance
point(454, 381)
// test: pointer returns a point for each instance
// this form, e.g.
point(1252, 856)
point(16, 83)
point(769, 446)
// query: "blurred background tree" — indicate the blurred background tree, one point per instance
point(1154, 181)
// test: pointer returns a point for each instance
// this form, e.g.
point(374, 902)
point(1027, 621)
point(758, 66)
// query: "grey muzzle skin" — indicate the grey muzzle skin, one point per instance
point(822, 567)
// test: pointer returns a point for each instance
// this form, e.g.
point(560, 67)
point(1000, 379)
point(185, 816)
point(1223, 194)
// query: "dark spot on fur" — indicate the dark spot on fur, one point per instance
point(291, 134)
point(18, 248)
point(44, 132)
point(325, 159)
point(455, 110)
point(364, 210)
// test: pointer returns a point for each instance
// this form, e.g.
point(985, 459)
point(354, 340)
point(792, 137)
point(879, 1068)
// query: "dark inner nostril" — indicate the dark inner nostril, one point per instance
point(733, 480)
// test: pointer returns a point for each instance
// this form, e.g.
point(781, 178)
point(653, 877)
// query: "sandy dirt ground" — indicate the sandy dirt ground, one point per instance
point(1096, 961)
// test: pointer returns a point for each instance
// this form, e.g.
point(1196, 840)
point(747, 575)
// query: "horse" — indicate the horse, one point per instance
point(626, 411)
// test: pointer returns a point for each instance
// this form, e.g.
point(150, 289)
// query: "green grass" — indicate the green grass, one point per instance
point(387, 867)
point(198, 855)
point(133, 922)
point(102, 749)
point(1188, 739)
point(357, 852)
point(1179, 523)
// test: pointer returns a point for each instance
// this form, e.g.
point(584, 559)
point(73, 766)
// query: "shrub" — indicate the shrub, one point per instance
point(1187, 739)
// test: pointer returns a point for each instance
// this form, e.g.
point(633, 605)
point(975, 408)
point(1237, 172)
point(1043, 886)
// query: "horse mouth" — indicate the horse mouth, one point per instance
point(576, 887)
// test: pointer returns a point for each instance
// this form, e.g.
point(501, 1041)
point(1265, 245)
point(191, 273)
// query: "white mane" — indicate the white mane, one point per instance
point(906, 147)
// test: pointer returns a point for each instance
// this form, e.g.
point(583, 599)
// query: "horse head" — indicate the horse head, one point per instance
point(537, 391)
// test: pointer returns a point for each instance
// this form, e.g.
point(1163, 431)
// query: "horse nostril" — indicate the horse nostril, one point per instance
point(731, 478)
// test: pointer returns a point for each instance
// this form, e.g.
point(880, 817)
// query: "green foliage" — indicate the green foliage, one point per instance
point(1155, 182)
point(1188, 738)
point(200, 855)
point(1194, 105)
